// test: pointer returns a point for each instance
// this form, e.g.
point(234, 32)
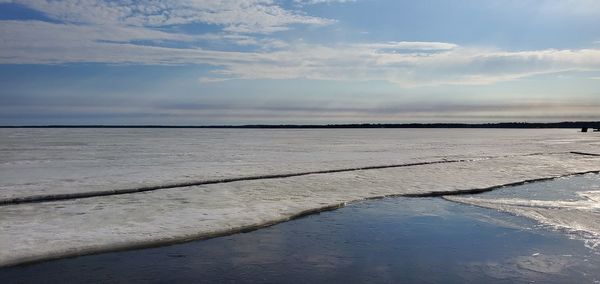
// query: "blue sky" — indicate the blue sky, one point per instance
point(298, 61)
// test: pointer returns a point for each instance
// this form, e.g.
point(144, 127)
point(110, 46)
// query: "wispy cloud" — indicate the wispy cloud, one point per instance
point(120, 32)
point(404, 63)
point(459, 65)
point(241, 16)
point(411, 45)
point(313, 2)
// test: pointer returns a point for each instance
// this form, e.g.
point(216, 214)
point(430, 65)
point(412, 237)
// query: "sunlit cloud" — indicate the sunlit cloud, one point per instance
point(243, 16)
point(405, 63)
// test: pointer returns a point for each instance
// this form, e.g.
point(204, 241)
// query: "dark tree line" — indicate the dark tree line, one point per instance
point(567, 124)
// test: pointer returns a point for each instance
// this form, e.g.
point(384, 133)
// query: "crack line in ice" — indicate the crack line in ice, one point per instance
point(78, 195)
point(584, 153)
point(90, 194)
point(491, 188)
point(254, 227)
point(16, 257)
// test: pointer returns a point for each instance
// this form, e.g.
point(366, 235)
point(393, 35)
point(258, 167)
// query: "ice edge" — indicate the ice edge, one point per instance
point(244, 229)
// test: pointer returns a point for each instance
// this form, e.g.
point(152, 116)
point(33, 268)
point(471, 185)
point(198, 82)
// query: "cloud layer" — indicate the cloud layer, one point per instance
point(145, 32)
point(246, 16)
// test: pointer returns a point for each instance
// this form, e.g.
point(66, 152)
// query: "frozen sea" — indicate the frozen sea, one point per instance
point(327, 168)
point(393, 240)
point(39, 161)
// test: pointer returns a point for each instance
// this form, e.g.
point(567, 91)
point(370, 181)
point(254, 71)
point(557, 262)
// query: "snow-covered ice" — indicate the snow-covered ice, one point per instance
point(52, 161)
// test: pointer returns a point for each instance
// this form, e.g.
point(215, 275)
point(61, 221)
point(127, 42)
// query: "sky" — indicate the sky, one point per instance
point(203, 62)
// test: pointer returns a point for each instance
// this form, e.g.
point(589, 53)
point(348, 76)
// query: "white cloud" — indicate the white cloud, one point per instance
point(35, 42)
point(240, 16)
point(112, 31)
point(460, 65)
point(417, 63)
point(411, 45)
point(313, 2)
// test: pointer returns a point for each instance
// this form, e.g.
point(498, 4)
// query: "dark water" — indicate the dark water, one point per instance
point(397, 240)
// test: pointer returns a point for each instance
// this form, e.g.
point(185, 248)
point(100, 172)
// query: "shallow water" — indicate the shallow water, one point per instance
point(565, 189)
point(569, 205)
point(424, 240)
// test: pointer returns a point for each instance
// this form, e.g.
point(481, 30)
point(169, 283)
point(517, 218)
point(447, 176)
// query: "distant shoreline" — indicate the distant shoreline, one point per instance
point(508, 125)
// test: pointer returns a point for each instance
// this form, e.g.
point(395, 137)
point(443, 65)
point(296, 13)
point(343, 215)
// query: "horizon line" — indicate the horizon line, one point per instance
point(563, 124)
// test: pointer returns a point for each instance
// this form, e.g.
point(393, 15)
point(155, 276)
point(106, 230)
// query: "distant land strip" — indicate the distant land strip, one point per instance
point(565, 124)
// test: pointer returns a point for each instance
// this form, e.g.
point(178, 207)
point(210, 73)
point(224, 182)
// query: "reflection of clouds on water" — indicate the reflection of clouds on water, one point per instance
point(582, 224)
point(504, 222)
point(544, 263)
point(590, 202)
point(406, 210)
point(390, 240)
point(536, 267)
point(575, 211)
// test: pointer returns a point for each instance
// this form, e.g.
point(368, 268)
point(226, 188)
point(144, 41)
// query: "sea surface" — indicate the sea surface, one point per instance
point(204, 183)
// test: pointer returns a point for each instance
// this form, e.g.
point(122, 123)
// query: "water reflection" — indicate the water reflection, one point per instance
point(569, 205)
point(390, 240)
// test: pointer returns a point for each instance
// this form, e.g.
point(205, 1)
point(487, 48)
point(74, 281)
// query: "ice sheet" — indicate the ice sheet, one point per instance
point(54, 161)
point(56, 229)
